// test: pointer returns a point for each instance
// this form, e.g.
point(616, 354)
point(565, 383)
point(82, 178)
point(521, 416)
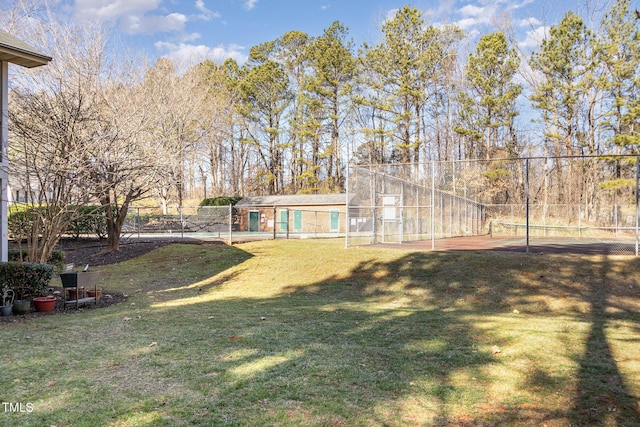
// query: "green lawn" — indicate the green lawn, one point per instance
point(296, 333)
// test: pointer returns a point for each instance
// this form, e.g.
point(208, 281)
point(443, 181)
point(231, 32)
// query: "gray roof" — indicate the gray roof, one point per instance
point(294, 200)
point(18, 52)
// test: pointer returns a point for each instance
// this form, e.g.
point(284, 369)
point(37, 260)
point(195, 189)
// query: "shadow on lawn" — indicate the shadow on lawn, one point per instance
point(325, 355)
point(602, 394)
point(601, 397)
point(379, 361)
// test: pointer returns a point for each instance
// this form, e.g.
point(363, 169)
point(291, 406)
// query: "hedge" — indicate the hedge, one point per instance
point(220, 201)
point(56, 258)
point(27, 279)
point(91, 220)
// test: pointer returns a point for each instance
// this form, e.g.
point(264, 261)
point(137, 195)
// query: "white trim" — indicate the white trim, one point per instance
point(4, 162)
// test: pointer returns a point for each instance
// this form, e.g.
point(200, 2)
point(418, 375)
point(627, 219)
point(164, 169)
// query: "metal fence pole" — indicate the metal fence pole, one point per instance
point(433, 207)
point(346, 221)
point(637, 198)
point(230, 224)
point(526, 174)
point(374, 201)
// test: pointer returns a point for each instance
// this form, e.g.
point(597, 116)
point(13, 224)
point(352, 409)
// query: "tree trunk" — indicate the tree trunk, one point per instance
point(115, 220)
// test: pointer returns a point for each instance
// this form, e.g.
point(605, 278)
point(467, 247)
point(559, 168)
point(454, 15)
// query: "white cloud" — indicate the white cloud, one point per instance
point(529, 22)
point(142, 24)
point(468, 22)
point(185, 55)
point(190, 37)
point(534, 37)
point(446, 6)
point(475, 15)
point(205, 13)
point(390, 15)
point(250, 4)
point(523, 4)
point(471, 10)
point(113, 9)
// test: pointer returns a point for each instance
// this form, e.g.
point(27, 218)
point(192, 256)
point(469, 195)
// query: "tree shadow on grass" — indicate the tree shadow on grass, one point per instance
point(390, 343)
point(602, 395)
point(396, 340)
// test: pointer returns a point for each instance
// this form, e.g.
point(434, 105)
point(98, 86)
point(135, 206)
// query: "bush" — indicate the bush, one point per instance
point(56, 258)
point(27, 279)
point(220, 201)
point(20, 221)
point(92, 221)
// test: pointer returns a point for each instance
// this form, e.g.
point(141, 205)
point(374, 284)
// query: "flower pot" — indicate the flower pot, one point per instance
point(44, 304)
point(6, 310)
point(21, 306)
point(76, 293)
point(95, 294)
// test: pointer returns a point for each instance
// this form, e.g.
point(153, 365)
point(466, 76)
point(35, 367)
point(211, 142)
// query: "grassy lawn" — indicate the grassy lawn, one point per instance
point(307, 333)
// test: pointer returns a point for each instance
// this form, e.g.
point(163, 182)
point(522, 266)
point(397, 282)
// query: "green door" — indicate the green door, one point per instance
point(297, 220)
point(254, 221)
point(335, 220)
point(284, 220)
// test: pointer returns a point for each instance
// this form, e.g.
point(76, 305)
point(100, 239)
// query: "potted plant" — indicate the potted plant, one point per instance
point(7, 301)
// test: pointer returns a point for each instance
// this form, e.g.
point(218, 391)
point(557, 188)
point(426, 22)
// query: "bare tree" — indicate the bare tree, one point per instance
point(52, 110)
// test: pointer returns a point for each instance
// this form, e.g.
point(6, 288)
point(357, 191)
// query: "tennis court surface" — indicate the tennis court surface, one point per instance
point(519, 244)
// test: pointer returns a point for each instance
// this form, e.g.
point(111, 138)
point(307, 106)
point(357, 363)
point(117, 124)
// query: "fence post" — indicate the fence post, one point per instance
point(287, 228)
point(637, 199)
point(527, 199)
point(579, 220)
point(230, 224)
point(374, 207)
point(433, 205)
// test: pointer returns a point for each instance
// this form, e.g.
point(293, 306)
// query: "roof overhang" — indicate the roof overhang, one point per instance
point(17, 52)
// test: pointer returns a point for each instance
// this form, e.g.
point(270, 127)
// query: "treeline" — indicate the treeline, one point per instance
point(290, 118)
point(99, 125)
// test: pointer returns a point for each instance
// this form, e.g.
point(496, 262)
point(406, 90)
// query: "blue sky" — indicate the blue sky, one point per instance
point(191, 30)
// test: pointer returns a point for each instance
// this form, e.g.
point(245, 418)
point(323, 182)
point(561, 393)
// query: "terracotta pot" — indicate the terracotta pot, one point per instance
point(75, 294)
point(44, 304)
point(95, 294)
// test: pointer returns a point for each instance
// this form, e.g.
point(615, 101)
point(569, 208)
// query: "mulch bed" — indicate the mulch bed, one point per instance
point(90, 251)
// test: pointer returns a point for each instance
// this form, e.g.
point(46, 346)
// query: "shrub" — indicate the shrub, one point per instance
point(56, 258)
point(220, 201)
point(92, 220)
point(20, 221)
point(26, 278)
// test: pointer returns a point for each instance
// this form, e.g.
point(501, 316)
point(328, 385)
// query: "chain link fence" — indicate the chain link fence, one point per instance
point(233, 224)
point(212, 221)
point(540, 201)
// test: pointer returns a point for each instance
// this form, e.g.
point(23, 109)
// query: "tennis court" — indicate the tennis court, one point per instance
point(589, 246)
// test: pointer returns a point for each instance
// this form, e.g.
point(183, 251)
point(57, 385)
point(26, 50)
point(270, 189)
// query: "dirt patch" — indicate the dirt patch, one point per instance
point(94, 252)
